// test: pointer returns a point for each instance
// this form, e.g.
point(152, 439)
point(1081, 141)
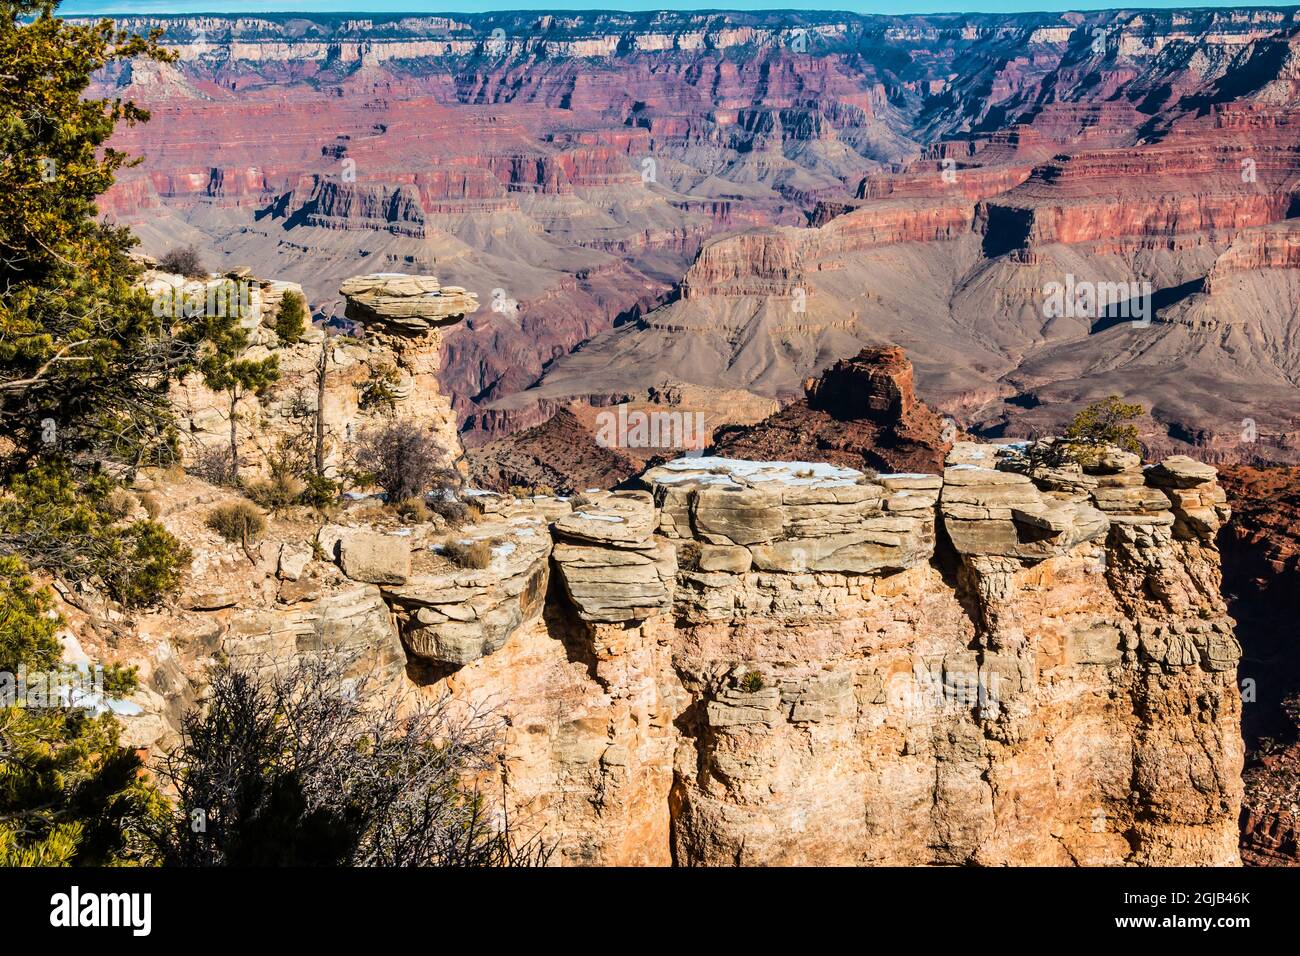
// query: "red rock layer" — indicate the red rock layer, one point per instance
point(861, 412)
point(1261, 563)
point(1273, 247)
point(560, 454)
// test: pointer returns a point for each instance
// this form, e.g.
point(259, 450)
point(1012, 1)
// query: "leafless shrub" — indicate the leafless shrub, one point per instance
point(401, 457)
point(185, 260)
point(277, 492)
point(475, 554)
point(414, 509)
point(212, 463)
point(455, 513)
point(532, 491)
point(237, 521)
point(307, 767)
point(119, 503)
point(688, 556)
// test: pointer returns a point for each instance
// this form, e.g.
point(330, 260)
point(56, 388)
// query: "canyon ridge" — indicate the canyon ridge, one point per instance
point(645, 202)
point(877, 263)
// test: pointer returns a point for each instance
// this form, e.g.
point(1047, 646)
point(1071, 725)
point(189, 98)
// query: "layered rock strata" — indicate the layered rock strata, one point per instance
point(780, 663)
point(330, 388)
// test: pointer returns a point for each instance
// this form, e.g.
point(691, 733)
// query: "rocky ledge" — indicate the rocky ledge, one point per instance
point(405, 304)
point(788, 662)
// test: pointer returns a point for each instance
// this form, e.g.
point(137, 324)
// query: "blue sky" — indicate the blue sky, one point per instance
point(474, 6)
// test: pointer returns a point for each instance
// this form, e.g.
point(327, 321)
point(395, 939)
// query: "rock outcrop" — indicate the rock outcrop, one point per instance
point(776, 663)
point(404, 305)
point(860, 413)
point(613, 567)
point(405, 316)
point(330, 388)
point(453, 616)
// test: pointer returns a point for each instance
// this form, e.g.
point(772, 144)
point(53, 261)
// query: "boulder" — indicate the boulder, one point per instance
point(374, 558)
point(405, 304)
point(731, 515)
point(450, 615)
point(1130, 500)
point(623, 517)
point(993, 512)
point(612, 584)
point(292, 562)
point(1179, 471)
point(735, 560)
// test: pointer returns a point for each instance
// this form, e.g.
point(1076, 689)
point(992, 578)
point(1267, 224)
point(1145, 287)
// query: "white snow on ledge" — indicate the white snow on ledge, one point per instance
point(715, 470)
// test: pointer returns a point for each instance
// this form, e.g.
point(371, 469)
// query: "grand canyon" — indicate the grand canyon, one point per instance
point(738, 200)
point(850, 606)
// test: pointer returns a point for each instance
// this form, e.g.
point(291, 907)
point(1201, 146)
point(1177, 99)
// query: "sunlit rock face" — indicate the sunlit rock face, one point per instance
point(345, 384)
point(1005, 695)
point(738, 201)
point(758, 662)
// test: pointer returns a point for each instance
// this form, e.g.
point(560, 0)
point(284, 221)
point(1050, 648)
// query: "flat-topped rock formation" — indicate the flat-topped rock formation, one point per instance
point(348, 383)
point(406, 315)
point(793, 516)
point(405, 304)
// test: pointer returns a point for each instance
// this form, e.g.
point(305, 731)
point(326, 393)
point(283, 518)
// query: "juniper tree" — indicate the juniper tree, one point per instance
point(69, 792)
point(83, 360)
point(84, 371)
point(1108, 422)
point(224, 369)
point(291, 319)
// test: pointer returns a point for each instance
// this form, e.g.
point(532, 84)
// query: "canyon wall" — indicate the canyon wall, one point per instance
point(630, 196)
point(785, 663)
point(986, 659)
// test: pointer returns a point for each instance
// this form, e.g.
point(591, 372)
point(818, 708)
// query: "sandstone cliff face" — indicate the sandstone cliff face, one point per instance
point(780, 663)
point(1016, 707)
point(342, 384)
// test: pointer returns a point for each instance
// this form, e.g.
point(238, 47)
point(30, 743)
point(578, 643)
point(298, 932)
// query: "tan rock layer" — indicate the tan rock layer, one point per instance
point(791, 663)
